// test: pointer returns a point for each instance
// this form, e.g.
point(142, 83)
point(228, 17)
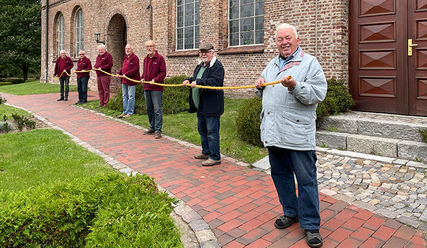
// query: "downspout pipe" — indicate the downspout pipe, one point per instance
point(46, 44)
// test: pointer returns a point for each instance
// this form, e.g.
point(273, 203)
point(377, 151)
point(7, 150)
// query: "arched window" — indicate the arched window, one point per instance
point(245, 22)
point(60, 34)
point(79, 31)
point(187, 24)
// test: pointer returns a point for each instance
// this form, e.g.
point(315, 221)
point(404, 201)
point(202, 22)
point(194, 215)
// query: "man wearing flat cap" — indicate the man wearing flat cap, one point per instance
point(208, 103)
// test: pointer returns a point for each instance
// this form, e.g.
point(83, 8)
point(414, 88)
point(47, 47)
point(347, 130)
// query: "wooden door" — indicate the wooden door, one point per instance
point(383, 77)
point(378, 60)
point(417, 31)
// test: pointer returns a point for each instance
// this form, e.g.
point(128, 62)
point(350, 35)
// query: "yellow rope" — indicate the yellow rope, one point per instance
point(177, 85)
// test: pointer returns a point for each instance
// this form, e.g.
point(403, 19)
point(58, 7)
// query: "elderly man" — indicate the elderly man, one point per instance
point(130, 69)
point(288, 130)
point(104, 61)
point(63, 66)
point(83, 64)
point(154, 70)
point(209, 104)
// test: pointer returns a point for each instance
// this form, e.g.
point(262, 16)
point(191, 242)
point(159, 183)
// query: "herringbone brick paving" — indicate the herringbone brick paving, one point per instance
point(239, 204)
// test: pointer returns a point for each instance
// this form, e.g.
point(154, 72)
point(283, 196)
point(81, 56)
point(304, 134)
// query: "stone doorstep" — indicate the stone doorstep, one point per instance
point(394, 148)
point(373, 127)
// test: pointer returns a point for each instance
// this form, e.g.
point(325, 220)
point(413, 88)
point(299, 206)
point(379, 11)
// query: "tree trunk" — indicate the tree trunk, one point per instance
point(25, 72)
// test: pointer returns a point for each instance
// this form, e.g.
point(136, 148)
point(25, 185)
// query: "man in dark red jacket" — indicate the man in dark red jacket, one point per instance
point(130, 69)
point(83, 64)
point(104, 61)
point(154, 70)
point(62, 67)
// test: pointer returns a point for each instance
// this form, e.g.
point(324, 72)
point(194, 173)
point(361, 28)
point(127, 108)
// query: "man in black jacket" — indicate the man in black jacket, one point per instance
point(208, 103)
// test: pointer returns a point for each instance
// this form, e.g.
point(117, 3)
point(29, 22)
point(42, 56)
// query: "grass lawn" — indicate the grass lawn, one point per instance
point(28, 159)
point(33, 87)
point(8, 111)
point(184, 126)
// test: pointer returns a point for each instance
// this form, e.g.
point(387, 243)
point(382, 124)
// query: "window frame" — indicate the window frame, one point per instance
point(60, 33)
point(79, 31)
point(254, 16)
point(195, 46)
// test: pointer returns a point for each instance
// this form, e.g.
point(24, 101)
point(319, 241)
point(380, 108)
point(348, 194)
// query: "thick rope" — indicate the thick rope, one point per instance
point(176, 85)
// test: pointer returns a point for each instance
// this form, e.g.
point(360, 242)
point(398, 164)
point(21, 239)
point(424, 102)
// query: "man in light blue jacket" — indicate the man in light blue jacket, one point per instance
point(288, 127)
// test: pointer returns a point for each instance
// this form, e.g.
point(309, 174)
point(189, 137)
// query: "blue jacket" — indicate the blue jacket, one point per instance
point(288, 118)
point(211, 101)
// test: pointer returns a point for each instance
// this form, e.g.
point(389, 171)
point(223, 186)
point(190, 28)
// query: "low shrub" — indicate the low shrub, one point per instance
point(174, 99)
point(104, 211)
point(13, 80)
point(23, 121)
point(338, 100)
point(5, 83)
point(2, 100)
point(248, 121)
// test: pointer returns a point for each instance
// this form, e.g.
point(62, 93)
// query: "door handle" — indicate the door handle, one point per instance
point(410, 45)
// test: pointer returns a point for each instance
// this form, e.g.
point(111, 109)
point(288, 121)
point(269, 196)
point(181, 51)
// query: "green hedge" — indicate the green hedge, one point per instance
point(337, 100)
point(174, 99)
point(103, 211)
point(5, 83)
point(13, 80)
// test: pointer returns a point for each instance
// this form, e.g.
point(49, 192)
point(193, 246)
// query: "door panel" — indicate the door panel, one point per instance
point(417, 71)
point(377, 56)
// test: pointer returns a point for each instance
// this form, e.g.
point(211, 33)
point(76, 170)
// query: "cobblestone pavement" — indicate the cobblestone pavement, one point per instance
point(234, 206)
point(392, 190)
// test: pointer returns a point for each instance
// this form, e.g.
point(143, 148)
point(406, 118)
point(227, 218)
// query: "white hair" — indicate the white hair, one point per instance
point(62, 51)
point(129, 46)
point(102, 46)
point(284, 26)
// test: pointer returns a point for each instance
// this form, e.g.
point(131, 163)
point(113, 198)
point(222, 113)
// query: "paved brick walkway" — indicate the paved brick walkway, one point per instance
point(239, 204)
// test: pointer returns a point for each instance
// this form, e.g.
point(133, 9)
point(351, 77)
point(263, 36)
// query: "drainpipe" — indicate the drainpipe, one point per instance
point(150, 6)
point(47, 43)
point(315, 29)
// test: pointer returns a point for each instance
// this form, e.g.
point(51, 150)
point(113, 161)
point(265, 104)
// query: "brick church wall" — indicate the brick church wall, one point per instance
point(322, 26)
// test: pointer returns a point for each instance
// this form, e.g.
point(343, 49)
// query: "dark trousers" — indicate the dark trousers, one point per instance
point(104, 89)
point(286, 163)
point(64, 81)
point(208, 127)
point(82, 88)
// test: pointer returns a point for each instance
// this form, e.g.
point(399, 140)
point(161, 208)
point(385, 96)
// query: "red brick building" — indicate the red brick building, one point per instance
point(365, 42)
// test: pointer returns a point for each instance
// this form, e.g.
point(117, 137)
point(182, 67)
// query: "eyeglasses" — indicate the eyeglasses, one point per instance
point(81, 54)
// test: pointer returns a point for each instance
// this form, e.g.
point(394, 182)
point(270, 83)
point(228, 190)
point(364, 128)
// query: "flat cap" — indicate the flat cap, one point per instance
point(206, 46)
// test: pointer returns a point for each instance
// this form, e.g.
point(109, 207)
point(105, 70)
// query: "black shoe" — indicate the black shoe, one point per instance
point(313, 238)
point(285, 221)
point(79, 102)
point(60, 99)
point(66, 99)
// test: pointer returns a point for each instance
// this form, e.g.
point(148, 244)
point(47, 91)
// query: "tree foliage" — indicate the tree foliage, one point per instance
point(20, 33)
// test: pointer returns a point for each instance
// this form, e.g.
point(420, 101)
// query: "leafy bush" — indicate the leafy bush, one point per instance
point(103, 211)
point(5, 83)
point(22, 120)
point(337, 100)
point(248, 121)
point(174, 99)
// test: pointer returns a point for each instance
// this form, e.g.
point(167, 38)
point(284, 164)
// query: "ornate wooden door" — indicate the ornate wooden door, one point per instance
point(417, 31)
point(383, 77)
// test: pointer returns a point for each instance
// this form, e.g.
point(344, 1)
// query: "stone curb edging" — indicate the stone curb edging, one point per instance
point(205, 237)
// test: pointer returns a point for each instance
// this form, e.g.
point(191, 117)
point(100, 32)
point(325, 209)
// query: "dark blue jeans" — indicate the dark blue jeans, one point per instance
point(208, 127)
point(153, 104)
point(64, 81)
point(285, 164)
point(82, 88)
